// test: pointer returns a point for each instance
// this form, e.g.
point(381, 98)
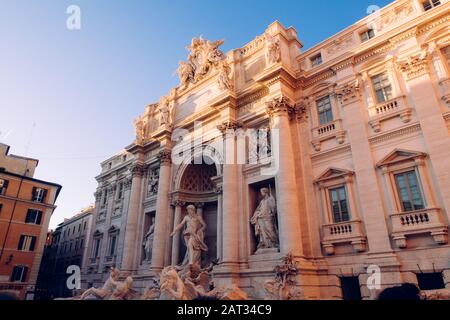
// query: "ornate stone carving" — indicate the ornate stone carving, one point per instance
point(147, 244)
point(283, 286)
point(264, 221)
point(228, 126)
point(137, 169)
point(165, 109)
point(204, 56)
point(414, 66)
point(224, 81)
point(279, 105)
point(153, 182)
point(165, 157)
point(105, 292)
point(123, 290)
point(273, 51)
point(349, 92)
point(341, 44)
point(193, 234)
point(142, 125)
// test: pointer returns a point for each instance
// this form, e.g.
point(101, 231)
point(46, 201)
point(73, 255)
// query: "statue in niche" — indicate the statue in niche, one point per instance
point(153, 183)
point(148, 240)
point(193, 234)
point(273, 52)
point(264, 221)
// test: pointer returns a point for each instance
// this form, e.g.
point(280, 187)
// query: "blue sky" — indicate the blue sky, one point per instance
point(68, 98)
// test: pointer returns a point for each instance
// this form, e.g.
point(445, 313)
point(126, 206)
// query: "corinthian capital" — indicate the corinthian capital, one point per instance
point(349, 92)
point(279, 106)
point(414, 66)
point(165, 157)
point(228, 125)
point(137, 169)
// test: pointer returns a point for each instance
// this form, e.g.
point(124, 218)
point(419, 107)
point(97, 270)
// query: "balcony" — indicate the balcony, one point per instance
point(428, 221)
point(393, 108)
point(331, 130)
point(94, 261)
point(345, 232)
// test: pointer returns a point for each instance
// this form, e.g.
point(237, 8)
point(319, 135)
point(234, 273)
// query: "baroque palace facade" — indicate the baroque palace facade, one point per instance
point(356, 172)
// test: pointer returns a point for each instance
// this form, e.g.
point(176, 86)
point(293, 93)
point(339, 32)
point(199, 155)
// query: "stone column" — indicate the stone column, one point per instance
point(434, 129)
point(162, 211)
point(219, 223)
point(287, 200)
point(230, 216)
point(137, 172)
point(177, 237)
point(369, 193)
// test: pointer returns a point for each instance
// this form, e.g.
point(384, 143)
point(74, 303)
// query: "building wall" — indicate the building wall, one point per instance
point(362, 148)
point(15, 203)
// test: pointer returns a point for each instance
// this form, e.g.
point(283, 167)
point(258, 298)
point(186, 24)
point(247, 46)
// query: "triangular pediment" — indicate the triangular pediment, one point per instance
point(400, 155)
point(97, 233)
point(332, 173)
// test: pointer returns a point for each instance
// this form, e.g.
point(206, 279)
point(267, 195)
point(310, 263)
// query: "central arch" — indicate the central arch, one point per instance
point(195, 184)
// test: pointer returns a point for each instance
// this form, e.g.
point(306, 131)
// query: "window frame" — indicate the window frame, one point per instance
point(39, 215)
point(331, 208)
point(428, 5)
point(397, 173)
point(367, 35)
point(385, 93)
point(327, 112)
point(23, 275)
point(26, 246)
point(316, 60)
point(3, 186)
point(39, 195)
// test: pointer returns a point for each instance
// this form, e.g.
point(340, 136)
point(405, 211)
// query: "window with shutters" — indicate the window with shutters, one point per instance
point(3, 186)
point(26, 243)
point(19, 274)
point(39, 195)
point(33, 216)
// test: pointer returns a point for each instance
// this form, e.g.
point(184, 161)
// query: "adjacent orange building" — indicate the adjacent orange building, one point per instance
point(26, 205)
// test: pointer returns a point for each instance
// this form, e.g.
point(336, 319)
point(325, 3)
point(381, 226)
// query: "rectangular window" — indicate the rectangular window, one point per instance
point(339, 205)
point(324, 110)
point(96, 248)
point(84, 226)
point(382, 87)
point(79, 228)
point(3, 186)
point(120, 191)
point(39, 195)
point(105, 197)
point(430, 281)
point(33, 216)
point(19, 274)
point(367, 35)
point(430, 4)
point(316, 60)
point(26, 243)
point(409, 191)
point(112, 245)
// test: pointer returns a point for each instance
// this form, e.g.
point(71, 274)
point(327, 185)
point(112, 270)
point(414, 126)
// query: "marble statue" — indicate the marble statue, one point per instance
point(152, 292)
point(264, 221)
point(171, 285)
point(123, 290)
point(273, 52)
point(283, 286)
point(153, 183)
point(165, 109)
point(148, 240)
point(441, 294)
point(224, 80)
point(204, 56)
point(193, 234)
point(106, 291)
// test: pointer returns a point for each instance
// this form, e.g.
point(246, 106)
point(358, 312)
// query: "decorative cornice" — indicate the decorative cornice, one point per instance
point(228, 125)
point(396, 133)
